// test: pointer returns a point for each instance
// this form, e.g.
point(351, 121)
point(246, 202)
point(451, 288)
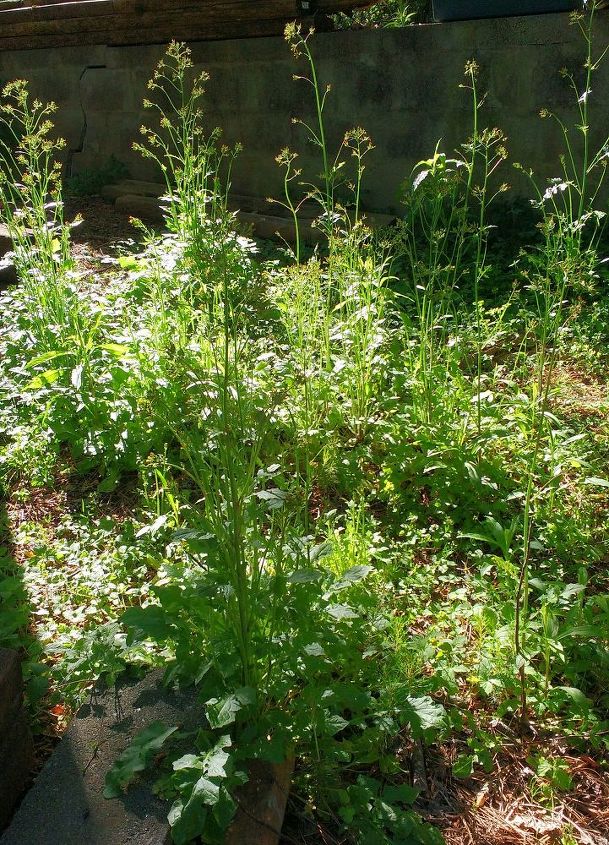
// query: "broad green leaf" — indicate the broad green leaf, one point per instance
point(152, 529)
point(273, 498)
point(401, 794)
point(304, 576)
point(222, 712)
point(424, 713)
point(136, 757)
point(207, 791)
point(188, 761)
point(341, 611)
point(151, 620)
point(216, 760)
point(351, 576)
point(576, 695)
point(335, 723)
point(43, 380)
point(463, 766)
point(187, 820)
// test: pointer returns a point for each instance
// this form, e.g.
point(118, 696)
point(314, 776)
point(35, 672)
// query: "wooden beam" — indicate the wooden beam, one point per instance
point(56, 23)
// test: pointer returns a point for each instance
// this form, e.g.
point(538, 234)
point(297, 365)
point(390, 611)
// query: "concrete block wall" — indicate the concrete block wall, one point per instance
point(401, 85)
point(16, 752)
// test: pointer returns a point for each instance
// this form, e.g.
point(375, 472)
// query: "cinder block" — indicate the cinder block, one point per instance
point(16, 748)
point(11, 689)
point(16, 763)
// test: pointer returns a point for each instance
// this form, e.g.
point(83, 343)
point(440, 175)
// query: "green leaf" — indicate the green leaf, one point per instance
point(596, 482)
point(401, 794)
point(463, 766)
point(341, 611)
point(189, 816)
point(188, 761)
point(222, 712)
point(43, 380)
point(136, 757)
point(151, 620)
point(274, 498)
point(335, 723)
point(187, 820)
point(116, 349)
point(424, 713)
point(576, 695)
point(304, 576)
point(351, 576)
point(206, 791)
point(46, 356)
point(152, 529)
point(76, 377)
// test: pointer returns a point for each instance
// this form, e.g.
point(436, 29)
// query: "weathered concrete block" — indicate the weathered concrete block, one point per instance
point(147, 208)
point(11, 688)
point(16, 763)
point(16, 751)
point(262, 802)
point(66, 806)
point(5, 240)
point(8, 274)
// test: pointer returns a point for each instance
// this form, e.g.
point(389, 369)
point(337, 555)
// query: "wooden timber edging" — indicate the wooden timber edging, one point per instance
point(28, 24)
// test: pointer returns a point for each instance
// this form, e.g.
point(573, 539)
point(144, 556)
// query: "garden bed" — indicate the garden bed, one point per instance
point(353, 499)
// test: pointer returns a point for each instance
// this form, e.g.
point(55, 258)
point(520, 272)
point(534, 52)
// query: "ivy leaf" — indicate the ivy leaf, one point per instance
point(136, 757)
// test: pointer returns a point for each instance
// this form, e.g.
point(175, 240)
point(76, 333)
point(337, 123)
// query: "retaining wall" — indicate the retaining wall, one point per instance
point(401, 85)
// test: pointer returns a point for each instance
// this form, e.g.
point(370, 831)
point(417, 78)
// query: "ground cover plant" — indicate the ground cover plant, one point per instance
point(358, 499)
